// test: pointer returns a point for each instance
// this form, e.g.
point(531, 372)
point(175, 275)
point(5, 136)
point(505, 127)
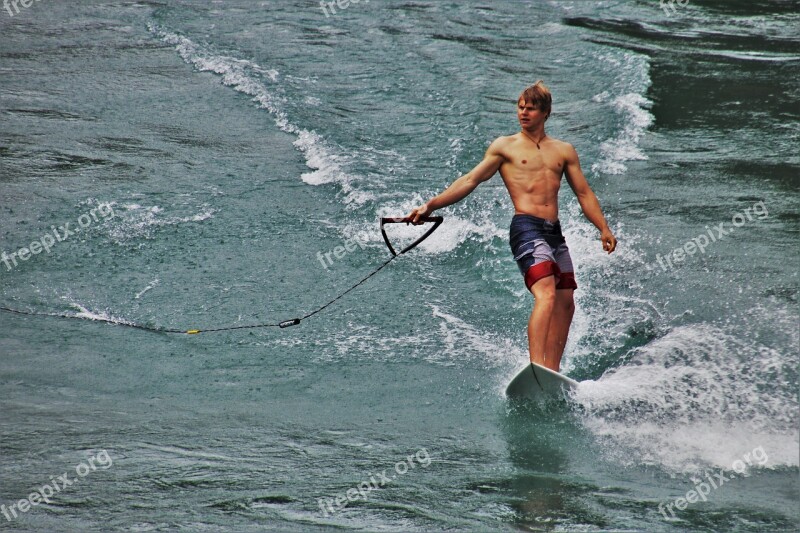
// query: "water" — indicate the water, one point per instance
point(236, 142)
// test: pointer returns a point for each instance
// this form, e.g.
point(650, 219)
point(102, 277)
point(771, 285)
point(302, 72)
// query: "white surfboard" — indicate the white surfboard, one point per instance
point(536, 382)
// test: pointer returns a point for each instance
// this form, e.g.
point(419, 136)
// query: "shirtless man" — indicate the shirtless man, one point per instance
point(531, 165)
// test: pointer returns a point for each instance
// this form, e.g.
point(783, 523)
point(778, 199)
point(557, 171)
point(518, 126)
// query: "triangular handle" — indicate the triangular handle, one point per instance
point(408, 220)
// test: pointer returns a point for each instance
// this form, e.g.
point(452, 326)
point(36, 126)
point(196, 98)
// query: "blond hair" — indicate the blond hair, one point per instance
point(539, 95)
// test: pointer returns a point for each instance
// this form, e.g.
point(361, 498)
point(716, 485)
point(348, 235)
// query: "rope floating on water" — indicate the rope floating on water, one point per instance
point(283, 324)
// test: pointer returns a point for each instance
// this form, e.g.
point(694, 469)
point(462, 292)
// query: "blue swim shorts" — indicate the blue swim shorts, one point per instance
point(540, 250)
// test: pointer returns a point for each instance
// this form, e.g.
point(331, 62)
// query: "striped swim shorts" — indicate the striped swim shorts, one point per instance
point(540, 250)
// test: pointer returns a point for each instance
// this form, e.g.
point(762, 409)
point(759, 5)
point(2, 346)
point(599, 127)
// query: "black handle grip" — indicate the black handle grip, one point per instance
point(408, 220)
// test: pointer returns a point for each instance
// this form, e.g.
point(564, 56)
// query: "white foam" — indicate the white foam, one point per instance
point(754, 56)
point(461, 338)
point(626, 99)
point(136, 221)
point(320, 158)
point(150, 286)
point(692, 399)
point(447, 237)
point(327, 164)
point(456, 148)
point(84, 312)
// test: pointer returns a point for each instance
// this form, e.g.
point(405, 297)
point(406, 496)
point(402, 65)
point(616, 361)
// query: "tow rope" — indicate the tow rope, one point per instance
point(283, 324)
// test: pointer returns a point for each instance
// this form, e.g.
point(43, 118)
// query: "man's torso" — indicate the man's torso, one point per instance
point(533, 175)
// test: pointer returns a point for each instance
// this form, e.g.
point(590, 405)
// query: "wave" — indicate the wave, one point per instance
point(247, 77)
point(133, 221)
point(695, 398)
point(628, 102)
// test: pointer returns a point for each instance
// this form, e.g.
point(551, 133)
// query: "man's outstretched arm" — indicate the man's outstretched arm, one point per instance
point(587, 199)
point(464, 185)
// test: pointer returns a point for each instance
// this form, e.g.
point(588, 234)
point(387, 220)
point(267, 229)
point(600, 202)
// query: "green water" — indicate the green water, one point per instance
point(235, 142)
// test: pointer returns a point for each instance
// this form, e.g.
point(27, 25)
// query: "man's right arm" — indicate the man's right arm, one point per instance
point(464, 185)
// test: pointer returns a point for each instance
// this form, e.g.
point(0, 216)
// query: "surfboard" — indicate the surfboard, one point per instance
point(536, 382)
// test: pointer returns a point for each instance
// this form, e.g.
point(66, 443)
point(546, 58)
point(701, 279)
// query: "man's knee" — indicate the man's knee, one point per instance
point(565, 301)
point(544, 291)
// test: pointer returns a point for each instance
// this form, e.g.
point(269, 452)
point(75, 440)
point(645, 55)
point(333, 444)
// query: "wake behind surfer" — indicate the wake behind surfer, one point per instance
point(531, 165)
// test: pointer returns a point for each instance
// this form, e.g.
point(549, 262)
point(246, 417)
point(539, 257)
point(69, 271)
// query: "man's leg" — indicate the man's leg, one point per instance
point(544, 293)
point(563, 309)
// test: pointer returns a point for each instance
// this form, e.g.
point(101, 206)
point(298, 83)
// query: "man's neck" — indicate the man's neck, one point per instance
point(535, 135)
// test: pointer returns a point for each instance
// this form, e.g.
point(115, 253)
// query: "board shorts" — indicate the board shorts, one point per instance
point(540, 250)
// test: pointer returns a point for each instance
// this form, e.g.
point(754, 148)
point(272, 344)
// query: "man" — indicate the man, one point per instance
point(531, 165)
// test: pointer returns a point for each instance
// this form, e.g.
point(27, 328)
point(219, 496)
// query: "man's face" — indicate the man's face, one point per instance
point(529, 115)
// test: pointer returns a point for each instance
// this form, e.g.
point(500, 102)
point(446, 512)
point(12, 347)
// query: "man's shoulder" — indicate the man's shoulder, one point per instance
point(564, 148)
point(501, 144)
point(561, 144)
point(504, 140)
point(507, 141)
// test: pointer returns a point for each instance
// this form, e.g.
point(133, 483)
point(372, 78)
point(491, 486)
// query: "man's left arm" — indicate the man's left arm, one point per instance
point(587, 198)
